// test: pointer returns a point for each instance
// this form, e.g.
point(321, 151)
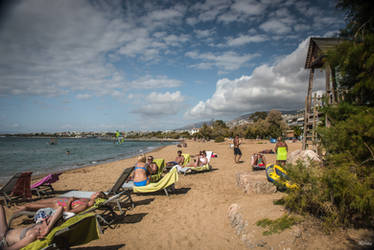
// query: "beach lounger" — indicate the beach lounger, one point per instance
point(206, 167)
point(187, 159)
point(18, 187)
point(44, 186)
point(75, 231)
point(166, 183)
point(107, 217)
point(161, 165)
point(124, 196)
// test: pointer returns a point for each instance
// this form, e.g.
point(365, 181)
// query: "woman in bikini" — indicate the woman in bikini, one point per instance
point(21, 237)
point(72, 204)
point(141, 174)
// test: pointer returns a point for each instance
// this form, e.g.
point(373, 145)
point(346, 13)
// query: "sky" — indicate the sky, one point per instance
point(69, 65)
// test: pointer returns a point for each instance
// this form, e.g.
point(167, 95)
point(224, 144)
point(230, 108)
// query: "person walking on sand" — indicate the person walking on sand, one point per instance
point(281, 149)
point(237, 152)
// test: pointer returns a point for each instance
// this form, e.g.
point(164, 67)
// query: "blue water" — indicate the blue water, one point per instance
point(38, 156)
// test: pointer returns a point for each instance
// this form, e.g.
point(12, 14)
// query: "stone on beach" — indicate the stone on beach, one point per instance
point(255, 184)
point(305, 156)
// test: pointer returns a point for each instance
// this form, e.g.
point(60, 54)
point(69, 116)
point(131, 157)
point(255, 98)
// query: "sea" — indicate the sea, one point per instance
point(40, 157)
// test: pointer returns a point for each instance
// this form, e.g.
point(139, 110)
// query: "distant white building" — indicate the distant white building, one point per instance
point(193, 131)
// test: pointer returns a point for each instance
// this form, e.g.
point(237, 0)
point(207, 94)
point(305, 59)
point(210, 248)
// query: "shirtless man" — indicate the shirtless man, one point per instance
point(180, 158)
point(151, 165)
point(237, 151)
point(21, 237)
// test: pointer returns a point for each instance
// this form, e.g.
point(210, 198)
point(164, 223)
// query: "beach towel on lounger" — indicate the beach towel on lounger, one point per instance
point(166, 181)
point(77, 230)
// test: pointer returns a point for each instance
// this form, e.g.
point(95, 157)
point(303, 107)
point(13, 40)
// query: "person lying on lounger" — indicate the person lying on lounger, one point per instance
point(71, 204)
point(200, 161)
point(21, 237)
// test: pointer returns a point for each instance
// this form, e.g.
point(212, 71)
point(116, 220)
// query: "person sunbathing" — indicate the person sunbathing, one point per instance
point(71, 204)
point(21, 237)
point(258, 160)
point(141, 173)
point(200, 161)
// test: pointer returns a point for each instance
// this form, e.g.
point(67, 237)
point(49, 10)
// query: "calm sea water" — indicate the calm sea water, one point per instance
point(38, 156)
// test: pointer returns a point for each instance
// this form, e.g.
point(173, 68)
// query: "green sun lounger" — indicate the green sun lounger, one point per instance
point(77, 230)
point(187, 159)
point(167, 181)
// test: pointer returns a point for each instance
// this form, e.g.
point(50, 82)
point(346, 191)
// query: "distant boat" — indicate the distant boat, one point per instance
point(53, 141)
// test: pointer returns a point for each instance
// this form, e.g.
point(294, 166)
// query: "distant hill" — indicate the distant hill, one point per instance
point(233, 121)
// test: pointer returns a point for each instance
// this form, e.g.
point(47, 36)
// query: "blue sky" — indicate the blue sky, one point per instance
point(153, 65)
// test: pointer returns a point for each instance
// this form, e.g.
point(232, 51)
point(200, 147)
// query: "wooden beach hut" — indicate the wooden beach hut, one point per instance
point(316, 59)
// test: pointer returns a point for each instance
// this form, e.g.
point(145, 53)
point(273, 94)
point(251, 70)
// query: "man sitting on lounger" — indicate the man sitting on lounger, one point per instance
point(179, 160)
point(72, 204)
point(21, 237)
point(151, 165)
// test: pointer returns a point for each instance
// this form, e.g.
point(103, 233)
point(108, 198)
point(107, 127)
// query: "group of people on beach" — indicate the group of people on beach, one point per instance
point(281, 149)
point(145, 166)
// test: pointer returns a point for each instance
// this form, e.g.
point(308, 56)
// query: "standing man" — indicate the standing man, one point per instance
point(237, 151)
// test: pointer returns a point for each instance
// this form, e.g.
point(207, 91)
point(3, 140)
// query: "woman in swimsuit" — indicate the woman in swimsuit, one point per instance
point(71, 204)
point(141, 174)
point(21, 237)
point(201, 160)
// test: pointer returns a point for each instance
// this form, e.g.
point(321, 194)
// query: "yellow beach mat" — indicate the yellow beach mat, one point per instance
point(282, 154)
point(206, 167)
point(77, 230)
point(169, 179)
point(187, 159)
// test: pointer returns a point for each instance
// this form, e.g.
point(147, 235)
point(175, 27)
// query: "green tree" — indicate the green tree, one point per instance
point(276, 124)
point(258, 116)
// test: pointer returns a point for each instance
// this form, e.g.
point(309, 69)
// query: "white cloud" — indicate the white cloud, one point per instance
point(281, 86)
point(245, 39)
point(228, 60)
point(148, 82)
point(160, 104)
point(275, 26)
point(64, 47)
point(248, 7)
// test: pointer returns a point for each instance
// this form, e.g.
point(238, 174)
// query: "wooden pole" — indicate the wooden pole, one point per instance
point(327, 77)
point(334, 85)
point(308, 101)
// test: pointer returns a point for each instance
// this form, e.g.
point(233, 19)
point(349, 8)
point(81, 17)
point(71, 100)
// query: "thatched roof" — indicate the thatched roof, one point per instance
point(318, 48)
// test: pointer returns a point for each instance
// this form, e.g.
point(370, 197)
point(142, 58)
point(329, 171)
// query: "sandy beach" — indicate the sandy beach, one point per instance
point(196, 216)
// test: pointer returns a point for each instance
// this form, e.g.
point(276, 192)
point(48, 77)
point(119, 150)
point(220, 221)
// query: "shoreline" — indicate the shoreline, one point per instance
point(36, 177)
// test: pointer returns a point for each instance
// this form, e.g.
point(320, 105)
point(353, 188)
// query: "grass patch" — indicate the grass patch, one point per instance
point(277, 225)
